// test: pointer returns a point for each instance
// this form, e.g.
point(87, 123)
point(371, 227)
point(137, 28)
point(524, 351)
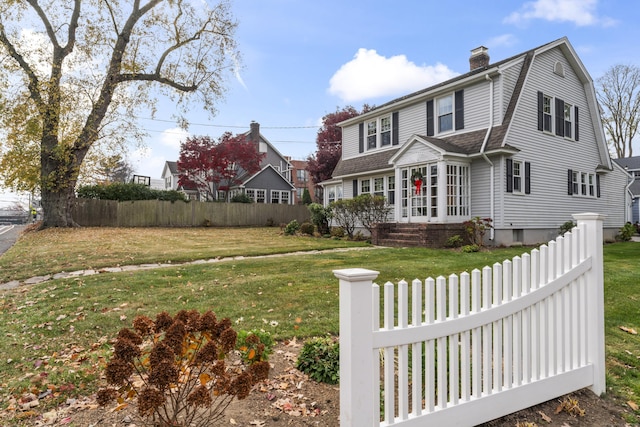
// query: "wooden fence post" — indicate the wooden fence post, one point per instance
point(357, 387)
point(592, 226)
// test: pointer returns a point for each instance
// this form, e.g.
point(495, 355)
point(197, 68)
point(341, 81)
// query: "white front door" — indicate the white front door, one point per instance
point(419, 197)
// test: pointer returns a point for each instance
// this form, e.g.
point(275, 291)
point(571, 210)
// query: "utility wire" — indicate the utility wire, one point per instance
point(230, 126)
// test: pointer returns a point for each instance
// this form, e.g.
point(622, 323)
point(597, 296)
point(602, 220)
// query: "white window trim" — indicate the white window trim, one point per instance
point(520, 166)
point(568, 108)
point(550, 114)
point(378, 133)
point(438, 115)
point(584, 183)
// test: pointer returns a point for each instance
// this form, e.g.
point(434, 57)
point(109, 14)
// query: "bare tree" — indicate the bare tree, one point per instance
point(618, 92)
point(73, 73)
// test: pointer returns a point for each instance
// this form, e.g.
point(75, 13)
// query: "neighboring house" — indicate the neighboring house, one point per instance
point(519, 141)
point(632, 166)
point(170, 177)
point(271, 184)
point(301, 179)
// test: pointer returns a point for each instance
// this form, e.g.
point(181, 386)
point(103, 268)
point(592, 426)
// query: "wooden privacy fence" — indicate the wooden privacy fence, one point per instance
point(475, 347)
point(157, 213)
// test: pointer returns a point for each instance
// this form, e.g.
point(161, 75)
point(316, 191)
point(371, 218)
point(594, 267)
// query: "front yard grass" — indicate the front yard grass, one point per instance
point(57, 334)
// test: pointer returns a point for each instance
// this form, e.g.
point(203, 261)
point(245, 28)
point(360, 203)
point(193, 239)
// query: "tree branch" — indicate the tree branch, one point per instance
point(45, 21)
point(34, 82)
point(156, 78)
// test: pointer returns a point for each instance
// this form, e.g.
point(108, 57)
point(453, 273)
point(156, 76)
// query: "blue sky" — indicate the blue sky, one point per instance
point(304, 59)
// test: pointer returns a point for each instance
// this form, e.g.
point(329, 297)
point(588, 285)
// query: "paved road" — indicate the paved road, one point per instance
point(8, 236)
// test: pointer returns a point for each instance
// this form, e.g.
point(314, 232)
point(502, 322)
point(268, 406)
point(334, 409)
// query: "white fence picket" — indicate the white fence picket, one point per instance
point(482, 344)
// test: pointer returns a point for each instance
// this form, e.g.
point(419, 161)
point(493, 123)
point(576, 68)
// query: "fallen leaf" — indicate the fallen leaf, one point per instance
point(232, 421)
point(628, 330)
point(633, 405)
point(545, 417)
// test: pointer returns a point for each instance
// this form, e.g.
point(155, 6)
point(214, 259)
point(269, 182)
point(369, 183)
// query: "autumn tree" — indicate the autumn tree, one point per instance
point(74, 73)
point(329, 143)
point(109, 169)
point(210, 166)
point(618, 92)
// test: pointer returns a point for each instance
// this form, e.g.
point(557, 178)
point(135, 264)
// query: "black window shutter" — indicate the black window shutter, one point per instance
point(576, 134)
point(430, 126)
point(361, 138)
point(509, 176)
point(570, 182)
point(540, 111)
point(459, 108)
point(395, 138)
point(598, 185)
point(527, 178)
point(355, 187)
point(559, 117)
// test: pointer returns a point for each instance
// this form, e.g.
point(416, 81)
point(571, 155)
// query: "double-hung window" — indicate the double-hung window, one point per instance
point(518, 177)
point(445, 113)
point(583, 184)
point(378, 186)
point(557, 117)
point(568, 120)
point(365, 186)
point(372, 134)
point(391, 189)
point(385, 131)
point(547, 113)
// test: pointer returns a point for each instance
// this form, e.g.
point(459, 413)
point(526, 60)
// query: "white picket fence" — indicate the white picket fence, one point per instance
point(471, 348)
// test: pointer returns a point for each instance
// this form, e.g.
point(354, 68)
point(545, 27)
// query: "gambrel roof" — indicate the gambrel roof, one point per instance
point(474, 143)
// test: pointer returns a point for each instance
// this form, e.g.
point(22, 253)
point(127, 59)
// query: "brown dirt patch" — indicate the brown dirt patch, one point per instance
point(290, 398)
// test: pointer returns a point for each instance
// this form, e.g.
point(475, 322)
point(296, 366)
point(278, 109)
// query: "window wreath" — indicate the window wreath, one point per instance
point(416, 178)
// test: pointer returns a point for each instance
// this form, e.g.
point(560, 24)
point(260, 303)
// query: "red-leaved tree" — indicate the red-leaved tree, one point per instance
point(321, 164)
point(209, 166)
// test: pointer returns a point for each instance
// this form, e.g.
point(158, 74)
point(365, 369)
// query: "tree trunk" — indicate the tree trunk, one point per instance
point(58, 176)
point(57, 206)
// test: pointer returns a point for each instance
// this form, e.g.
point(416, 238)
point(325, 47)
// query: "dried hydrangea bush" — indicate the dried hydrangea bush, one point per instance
point(176, 369)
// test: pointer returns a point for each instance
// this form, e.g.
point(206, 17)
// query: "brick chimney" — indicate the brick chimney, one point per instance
point(255, 133)
point(479, 58)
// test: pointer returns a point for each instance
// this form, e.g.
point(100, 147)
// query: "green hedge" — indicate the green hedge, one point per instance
point(125, 192)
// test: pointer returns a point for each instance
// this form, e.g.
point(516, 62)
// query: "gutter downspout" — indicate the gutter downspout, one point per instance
point(484, 156)
point(629, 207)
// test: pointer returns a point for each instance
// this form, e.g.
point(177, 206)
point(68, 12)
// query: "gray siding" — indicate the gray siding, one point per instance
point(551, 156)
point(476, 106)
point(480, 186)
point(269, 179)
point(413, 121)
point(350, 141)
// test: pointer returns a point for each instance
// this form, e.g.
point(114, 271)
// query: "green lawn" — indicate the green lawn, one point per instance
point(62, 328)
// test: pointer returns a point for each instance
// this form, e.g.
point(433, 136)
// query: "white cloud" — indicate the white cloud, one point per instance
point(173, 137)
point(503, 40)
point(369, 75)
point(149, 160)
point(580, 12)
